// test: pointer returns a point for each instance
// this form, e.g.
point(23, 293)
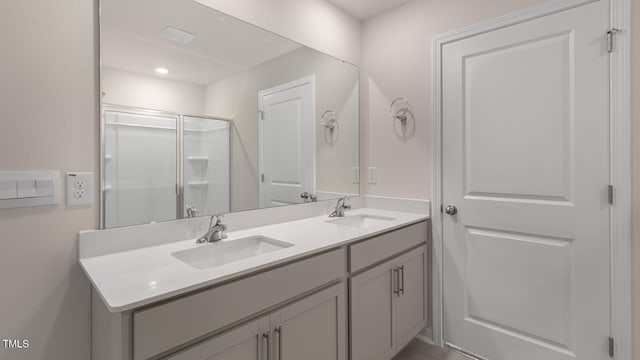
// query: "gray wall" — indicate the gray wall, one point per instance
point(236, 98)
point(149, 92)
point(48, 106)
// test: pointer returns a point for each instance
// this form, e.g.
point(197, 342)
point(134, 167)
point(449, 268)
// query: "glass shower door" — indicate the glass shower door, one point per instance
point(206, 165)
point(140, 167)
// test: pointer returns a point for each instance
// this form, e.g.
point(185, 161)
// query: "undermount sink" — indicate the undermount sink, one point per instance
point(224, 252)
point(361, 220)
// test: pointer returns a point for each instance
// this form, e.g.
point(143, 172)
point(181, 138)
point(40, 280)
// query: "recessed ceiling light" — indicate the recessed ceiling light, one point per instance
point(163, 71)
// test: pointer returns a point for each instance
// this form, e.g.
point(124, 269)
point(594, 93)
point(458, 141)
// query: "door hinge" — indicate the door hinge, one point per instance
point(441, 208)
point(611, 347)
point(610, 194)
point(262, 177)
point(610, 34)
point(261, 114)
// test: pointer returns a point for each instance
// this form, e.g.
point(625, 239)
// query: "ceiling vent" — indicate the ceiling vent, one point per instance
point(177, 35)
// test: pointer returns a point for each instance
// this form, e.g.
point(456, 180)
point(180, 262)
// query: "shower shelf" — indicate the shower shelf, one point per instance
point(198, 158)
point(198, 183)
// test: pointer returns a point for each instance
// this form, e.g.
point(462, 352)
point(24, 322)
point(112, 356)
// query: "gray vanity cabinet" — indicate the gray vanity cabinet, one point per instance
point(388, 306)
point(412, 302)
point(297, 310)
point(243, 343)
point(314, 328)
point(372, 313)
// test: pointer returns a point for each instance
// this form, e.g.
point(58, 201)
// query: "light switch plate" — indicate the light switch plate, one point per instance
point(29, 188)
point(355, 175)
point(372, 175)
point(26, 188)
point(8, 189)
point(45, 187)
point(79, 188)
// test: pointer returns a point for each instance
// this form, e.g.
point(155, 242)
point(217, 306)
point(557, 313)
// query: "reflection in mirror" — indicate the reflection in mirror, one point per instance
point(203, 114)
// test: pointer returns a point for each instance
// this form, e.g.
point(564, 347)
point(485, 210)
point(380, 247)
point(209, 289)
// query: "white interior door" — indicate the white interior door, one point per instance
point(287, 142)
point(526, 163)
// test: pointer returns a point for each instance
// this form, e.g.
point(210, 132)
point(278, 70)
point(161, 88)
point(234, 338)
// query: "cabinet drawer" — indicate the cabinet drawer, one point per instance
point(386, 245)
point(163, 327)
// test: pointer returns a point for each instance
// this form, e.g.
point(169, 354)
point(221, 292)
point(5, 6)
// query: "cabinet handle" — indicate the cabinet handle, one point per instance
point(402, 281)
point(267, 336)
point(279, 331)
point(396, 283)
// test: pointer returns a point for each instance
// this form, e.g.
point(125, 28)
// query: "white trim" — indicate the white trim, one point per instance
point(310, 79)
point(424, 339)
point(620, 132)
point(621, 314)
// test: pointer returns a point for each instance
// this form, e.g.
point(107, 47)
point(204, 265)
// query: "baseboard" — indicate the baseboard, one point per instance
point(424, 339)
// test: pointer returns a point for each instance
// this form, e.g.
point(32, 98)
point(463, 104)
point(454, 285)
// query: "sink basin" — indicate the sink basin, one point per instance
point(360, 221)
point(224, 252)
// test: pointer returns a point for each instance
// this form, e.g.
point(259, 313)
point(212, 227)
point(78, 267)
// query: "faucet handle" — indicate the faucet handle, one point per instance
point(219, 218)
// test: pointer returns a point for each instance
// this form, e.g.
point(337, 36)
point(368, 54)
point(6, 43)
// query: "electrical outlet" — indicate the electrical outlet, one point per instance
point(79, 194)
point(79, 188)
point(372, 175)
point(79, 183)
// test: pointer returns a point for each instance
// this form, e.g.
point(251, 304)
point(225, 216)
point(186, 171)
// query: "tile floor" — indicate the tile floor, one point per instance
point(419, 350)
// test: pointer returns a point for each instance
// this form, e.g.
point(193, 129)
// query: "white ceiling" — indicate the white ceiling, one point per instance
point(365, 9)
point(131, 41)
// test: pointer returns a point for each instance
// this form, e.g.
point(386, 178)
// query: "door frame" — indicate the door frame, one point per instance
point(310, 79)
point(619, 170)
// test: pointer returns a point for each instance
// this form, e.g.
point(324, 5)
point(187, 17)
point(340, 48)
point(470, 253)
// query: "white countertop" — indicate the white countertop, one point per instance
point(130, 279)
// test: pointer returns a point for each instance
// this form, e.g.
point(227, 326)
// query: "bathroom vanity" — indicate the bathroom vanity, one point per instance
point(352, 287)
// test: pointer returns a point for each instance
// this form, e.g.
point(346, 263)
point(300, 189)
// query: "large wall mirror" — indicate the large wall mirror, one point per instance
point(203, 113)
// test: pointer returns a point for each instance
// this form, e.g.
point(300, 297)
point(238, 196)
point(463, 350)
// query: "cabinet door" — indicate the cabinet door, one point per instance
point(411, 301)
point(246, 342)
point(372, 314)
point(314, 328)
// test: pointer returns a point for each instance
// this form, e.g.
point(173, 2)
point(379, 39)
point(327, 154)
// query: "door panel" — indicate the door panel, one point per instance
point(287, 159)
point(372, 314)
point(503, 166)
point(525, 161)
point(412, 302)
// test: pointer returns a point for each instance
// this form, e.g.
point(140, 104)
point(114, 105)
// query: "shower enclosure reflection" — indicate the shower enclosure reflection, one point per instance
point(206, 165)
point(157, 165)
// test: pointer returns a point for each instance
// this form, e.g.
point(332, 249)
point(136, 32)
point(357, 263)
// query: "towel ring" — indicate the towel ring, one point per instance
point(401, 114)
point(328, 119)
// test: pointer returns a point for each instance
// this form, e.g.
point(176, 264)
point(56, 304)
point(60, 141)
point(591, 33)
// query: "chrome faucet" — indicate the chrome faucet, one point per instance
point(215, 232)
point(191, 211)
point(341, 206)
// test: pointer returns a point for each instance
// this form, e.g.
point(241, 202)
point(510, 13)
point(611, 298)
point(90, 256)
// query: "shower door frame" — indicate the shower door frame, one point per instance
point(179, 151)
